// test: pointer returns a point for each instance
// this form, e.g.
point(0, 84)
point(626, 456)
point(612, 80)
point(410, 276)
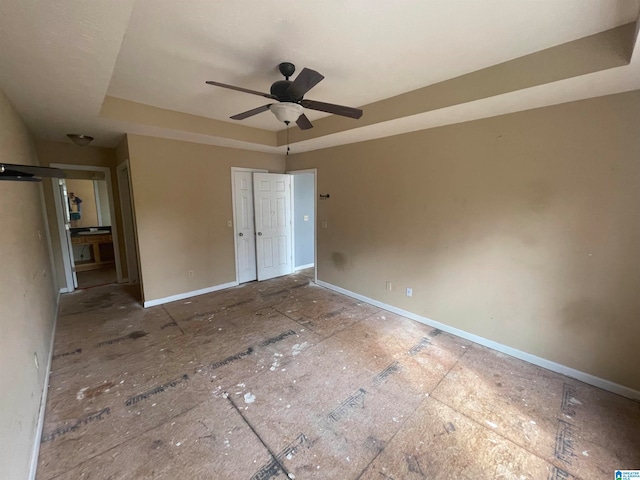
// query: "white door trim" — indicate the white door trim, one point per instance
point(133, 266)
point(62, 233)
point(114, 228)
point(233, 205)
point(313, 171)
point(96, 194)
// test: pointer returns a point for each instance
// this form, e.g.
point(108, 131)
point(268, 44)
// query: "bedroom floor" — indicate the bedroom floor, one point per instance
point(93, 278)
point(285, 378)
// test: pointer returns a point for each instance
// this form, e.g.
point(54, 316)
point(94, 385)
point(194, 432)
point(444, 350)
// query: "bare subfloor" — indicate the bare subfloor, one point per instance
point(101, 276)
point(286, 378)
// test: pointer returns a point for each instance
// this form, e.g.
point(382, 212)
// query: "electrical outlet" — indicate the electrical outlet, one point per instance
point(388, 286)
point(409, 292)
point(324, 224)
point(229, 224)
point(190, 273)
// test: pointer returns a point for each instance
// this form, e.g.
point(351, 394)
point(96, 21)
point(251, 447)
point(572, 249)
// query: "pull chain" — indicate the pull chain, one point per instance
point(288, 148)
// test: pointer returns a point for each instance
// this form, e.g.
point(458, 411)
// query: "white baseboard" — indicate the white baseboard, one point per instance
point(304, 267)
point(35, 452)
point(64, 290)
point(195, 293)
point(527, 357)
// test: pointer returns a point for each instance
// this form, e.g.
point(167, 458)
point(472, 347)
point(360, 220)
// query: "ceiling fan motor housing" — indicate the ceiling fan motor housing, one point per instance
point(279, 89)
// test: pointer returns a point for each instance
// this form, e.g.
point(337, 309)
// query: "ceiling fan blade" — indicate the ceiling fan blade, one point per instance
point(303, 122)
point(252, 112)
point(305, 81)
point(331, 108)
point(9, 170)
point(240, 89)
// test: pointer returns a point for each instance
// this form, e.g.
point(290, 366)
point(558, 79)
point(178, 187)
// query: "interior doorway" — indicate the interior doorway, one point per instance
point(304, 219)
point(262, 250)
point(88, 236)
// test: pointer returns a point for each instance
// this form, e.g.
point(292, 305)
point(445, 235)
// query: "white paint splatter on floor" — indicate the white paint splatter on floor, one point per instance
point(298, 347)
point(80, 394)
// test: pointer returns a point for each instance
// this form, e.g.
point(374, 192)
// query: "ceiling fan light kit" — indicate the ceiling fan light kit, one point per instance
point(290, 97)
point(286, 112)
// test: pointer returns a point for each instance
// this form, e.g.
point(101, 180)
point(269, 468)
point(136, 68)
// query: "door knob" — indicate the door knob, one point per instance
point(241, 234)
point(260, 234)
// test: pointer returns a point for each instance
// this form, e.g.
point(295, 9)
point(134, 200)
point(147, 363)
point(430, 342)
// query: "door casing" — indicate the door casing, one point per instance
point(66, 260)
point(128, 222)
point(62, 216)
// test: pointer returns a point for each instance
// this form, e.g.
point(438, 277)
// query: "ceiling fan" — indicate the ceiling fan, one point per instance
point(290, 97)
point(28, 173)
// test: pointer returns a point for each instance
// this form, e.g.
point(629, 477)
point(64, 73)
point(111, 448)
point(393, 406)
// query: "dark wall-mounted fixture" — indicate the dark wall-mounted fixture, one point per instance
point(324, 197)
point(80, 140)
point(28, 173)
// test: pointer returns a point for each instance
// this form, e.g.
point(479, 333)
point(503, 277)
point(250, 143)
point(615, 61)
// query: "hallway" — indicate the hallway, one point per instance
point(285, 378)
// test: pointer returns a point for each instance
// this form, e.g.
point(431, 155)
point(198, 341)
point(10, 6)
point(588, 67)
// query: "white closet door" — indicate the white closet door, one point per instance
point(272, 202)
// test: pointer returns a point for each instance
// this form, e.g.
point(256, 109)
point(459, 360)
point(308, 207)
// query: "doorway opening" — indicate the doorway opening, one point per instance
point(86, 226)
point(304, 221)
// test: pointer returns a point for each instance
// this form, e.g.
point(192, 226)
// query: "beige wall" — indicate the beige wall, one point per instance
point(27, 301)
point(523, 228)
point(182, 201)
point(70, 154)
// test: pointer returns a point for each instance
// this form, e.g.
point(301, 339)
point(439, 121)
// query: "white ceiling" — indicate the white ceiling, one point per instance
point(58, 59)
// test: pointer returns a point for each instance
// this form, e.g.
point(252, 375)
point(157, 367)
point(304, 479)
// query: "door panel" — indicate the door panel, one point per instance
point(245, 229)
point(265, 210)
point(281, 214)
point(282, 249)
point(245, 208)
point(272, 194)
point(267, 257)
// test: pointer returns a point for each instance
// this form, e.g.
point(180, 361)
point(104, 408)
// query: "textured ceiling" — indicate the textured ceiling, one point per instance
point(60, 58)
point(367, 51)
